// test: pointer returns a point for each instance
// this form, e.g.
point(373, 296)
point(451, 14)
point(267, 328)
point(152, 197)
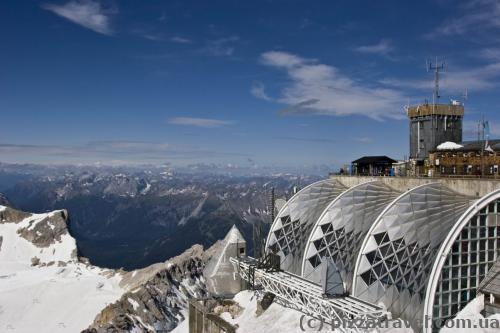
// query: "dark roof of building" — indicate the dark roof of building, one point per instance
point(491, 282)
point(374, 159)
point(478, 145)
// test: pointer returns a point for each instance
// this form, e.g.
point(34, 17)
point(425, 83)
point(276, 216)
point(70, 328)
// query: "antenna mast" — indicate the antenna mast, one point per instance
point(437, 69)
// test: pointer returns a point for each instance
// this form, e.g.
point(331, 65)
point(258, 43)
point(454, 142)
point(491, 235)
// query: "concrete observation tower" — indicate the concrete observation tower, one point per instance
point(435, 123)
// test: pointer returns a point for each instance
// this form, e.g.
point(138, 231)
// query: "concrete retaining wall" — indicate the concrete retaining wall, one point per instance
point(473, 187)
point(201, 320)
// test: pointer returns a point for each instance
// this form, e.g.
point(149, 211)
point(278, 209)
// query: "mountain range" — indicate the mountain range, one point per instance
point(133, 217)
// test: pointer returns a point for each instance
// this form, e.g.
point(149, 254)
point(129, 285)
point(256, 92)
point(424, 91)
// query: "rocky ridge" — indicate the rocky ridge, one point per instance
point(158, 296)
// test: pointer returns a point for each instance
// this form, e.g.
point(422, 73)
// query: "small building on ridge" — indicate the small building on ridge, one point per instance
point(372, 166)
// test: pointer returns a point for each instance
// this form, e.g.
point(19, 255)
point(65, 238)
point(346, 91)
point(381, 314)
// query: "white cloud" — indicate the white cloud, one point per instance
point(87, 13)
point(199, 122)
point(384, 47)
point(258, 90)
point(475, 15)
point(281, 59)
point(180, 40)
point(320, 89)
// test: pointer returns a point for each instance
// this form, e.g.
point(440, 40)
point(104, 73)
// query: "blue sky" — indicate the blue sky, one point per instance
point(275, 83)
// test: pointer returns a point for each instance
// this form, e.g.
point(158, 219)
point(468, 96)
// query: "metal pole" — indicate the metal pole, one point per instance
point(482, 145)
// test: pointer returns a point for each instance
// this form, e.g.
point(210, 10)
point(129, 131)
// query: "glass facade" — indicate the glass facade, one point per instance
point(339, 232)
point(423, 251)
point(291, 228)
point(400, 249)
point(471, 256)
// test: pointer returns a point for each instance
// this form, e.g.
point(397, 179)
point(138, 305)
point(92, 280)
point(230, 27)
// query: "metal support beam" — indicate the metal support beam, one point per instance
point(307, 297)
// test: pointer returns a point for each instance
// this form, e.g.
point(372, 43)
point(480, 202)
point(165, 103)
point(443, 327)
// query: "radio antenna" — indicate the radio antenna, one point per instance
point(436, 69)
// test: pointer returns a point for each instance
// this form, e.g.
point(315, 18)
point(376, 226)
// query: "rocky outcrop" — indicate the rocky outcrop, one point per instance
point(41, 232)
point(10, 215)
point(158, 297)
point(47, 231)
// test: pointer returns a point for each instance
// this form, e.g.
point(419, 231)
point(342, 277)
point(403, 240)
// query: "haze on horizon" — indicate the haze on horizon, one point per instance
point(263, 83)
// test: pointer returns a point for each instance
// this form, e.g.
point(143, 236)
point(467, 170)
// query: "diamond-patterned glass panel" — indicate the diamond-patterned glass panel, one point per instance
point(343, 227)
point(406, 240)
point(291, 228)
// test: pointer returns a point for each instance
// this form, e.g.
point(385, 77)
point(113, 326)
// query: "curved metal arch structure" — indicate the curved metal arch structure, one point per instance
point(468, 251)
point(291, 228)
point(337, 235)
point(396, 257)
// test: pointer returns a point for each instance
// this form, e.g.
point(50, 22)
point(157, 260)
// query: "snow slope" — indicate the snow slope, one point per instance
point(58, 293)
point(472, 312)
point(276, 318)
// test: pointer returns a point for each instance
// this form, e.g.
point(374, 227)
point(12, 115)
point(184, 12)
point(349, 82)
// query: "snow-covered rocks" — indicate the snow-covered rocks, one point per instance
point(470, 320)
point(157, 299)
point(46, 287)
point(43, 286)
point(26, 236)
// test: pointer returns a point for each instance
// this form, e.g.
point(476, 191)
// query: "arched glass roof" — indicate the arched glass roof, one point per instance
point(339, 232)
point(464, 258)
point(397, 255)
point(291, 228)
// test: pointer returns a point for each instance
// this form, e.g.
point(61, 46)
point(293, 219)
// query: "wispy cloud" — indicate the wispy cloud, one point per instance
point(320, 89)
point(363, 139)
point(87, 13)
point(181, 40)
point(475, 16)
point(221, 46)
point(199, 122)
point(153, 37)
point(383, 48)
point(295, 138)
point(305, 22)
point(455, 80)
point(258, 90)
point(489, 54)
point(126, 152)
point(470, 128)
